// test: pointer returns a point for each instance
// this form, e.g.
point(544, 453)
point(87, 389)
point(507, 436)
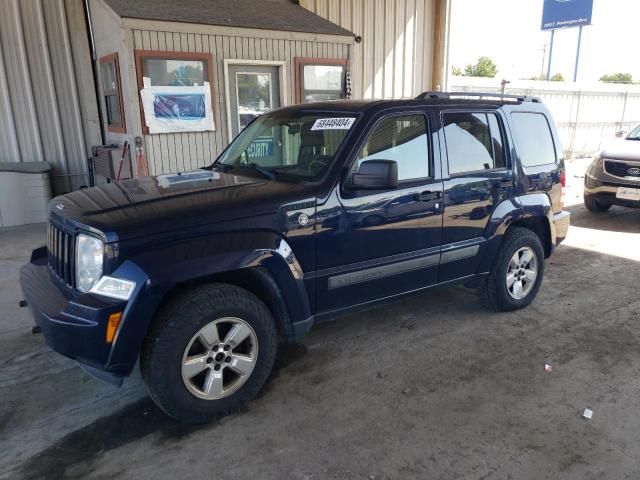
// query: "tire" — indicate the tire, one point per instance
point(495, 293)
point(594, 205)
point(187, 330)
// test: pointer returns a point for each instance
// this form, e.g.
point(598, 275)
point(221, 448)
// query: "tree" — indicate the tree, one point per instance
point(457, 72)
point(617, 78)
point(485, 67)
point(558, 77)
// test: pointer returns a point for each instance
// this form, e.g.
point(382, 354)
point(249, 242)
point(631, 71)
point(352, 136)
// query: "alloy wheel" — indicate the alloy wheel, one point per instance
point(522, 273)
point(219, 358)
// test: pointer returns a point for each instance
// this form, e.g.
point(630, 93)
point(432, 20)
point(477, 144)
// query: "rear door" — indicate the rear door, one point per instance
point(478, 177)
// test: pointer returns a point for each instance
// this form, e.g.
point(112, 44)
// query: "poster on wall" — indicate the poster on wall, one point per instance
point(177, 109)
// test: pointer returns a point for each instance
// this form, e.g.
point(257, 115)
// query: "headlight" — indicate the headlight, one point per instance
point(89, 256)
point(114, 287)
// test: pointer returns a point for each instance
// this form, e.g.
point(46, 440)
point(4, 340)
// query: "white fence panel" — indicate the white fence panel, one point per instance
point(587, 116)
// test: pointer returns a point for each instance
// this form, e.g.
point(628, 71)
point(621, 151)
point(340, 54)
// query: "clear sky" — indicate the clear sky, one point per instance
point(509, 32)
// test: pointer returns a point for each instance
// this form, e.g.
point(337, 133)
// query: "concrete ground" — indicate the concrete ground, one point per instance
point(429, 387)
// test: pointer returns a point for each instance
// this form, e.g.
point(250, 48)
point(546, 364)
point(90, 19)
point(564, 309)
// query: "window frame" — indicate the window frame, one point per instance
point(551, 134)
point(301, 62)
point(113, 58)
point(140, 55)
point(364, 137)
point(508, 164)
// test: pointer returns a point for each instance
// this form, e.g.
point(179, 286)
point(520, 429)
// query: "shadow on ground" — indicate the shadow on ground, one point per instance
point(131, 423)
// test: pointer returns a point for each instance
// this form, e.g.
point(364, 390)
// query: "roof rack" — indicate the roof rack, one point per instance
point(501, 96)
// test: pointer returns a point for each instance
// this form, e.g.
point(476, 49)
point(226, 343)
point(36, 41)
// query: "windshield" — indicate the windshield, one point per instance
point(288, 146)
point(635, 134)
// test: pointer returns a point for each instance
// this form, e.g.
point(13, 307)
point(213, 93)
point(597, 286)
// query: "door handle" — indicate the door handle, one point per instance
point(427, 196)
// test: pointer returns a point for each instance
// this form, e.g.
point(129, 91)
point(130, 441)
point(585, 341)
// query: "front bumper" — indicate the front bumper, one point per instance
point(74, 323)
point(603, 185)
point(605, 191)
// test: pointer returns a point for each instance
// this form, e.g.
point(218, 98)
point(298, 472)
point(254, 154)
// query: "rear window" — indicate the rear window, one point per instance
point(533, 139)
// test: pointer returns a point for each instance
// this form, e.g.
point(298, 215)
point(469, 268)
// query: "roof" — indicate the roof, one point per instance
point(284, 15)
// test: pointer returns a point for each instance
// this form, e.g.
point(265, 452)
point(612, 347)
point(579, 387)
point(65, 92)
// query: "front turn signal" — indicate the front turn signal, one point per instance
point(112, 326)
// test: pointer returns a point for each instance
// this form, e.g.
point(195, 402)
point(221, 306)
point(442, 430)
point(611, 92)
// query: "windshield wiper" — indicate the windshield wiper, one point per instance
point(270, 174)
point(223, 166)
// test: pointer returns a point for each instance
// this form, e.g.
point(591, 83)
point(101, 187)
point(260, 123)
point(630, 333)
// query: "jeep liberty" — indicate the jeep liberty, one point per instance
point(311, 212)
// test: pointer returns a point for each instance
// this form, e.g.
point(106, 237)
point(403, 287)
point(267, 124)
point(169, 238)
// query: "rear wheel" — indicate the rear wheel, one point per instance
point(595, 205)
point(209, 352)
point(517, 273)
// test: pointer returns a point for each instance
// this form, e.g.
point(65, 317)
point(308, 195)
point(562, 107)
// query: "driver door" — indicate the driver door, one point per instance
point(376, 244)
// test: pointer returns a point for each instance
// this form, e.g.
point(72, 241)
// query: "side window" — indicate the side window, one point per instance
point(112, 92)
point(533, 139)
point(402, 139)
point(474, 142)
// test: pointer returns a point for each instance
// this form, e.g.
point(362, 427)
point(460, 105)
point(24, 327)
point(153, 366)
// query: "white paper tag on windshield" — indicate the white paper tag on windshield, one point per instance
point(343, 123)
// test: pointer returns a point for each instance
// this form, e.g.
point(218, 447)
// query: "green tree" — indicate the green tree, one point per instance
point(485, 67)
point(617, 78)
point(457, 72)
point(557, 78)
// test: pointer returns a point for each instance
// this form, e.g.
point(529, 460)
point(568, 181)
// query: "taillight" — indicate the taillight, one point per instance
point(563, 183)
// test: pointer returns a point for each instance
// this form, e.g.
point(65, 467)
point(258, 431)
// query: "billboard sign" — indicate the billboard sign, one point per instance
point(566, 13)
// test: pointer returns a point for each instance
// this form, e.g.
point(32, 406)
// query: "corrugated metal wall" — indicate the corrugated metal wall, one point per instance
point(175, 152)
point(395, 57)
point(48, 110)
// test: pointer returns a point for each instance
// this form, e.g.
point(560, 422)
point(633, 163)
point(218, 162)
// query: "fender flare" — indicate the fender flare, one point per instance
point(276, 259)
point(508, 212)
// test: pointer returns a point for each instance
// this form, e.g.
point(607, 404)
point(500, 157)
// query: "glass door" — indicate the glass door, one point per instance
point(253, 90)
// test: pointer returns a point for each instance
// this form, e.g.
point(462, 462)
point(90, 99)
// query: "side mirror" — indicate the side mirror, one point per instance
point(375, 175)
point(621, 133)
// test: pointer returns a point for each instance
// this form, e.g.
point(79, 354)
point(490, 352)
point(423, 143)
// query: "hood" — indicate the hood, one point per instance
point(149, 205)
point(623, 149)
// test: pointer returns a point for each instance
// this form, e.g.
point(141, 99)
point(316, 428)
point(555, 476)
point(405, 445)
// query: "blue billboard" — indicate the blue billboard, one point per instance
point(566, 13)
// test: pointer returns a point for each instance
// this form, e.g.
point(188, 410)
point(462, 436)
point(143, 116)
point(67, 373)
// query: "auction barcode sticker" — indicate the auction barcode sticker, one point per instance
point(343, 123)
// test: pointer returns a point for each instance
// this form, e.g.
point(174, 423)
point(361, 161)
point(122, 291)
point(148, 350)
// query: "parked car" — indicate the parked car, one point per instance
point(198, 274)
point(613, 178)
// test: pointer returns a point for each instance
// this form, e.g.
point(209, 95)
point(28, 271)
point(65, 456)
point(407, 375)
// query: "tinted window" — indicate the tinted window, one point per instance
point(498, 145)
point(402, 139)
point(533, 139)
point(474, 142)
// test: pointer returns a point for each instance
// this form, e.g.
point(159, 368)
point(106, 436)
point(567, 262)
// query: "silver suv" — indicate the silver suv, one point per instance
point(613, 178)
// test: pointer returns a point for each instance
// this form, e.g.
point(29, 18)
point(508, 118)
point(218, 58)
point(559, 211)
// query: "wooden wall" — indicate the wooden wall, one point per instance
point(186, 151)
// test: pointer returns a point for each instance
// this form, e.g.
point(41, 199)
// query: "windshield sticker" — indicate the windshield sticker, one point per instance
point(343, 123)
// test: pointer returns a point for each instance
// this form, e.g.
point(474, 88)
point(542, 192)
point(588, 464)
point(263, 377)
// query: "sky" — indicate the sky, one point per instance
point(508, 31)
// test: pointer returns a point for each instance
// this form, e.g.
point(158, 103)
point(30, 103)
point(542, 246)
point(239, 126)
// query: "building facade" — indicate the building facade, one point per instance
point(90, 65)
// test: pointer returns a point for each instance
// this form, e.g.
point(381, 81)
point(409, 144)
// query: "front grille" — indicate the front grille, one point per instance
point(621, 169)
point(60, 254)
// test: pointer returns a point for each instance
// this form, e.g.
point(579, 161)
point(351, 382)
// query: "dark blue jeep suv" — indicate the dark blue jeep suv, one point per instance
point(313, 211)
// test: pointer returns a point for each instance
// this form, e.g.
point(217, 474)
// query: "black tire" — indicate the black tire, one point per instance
point(594, 205)
point(174, 327)
point(494, 293)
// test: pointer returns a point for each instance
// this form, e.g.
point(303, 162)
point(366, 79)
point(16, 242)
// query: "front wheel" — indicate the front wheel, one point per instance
point(517, 273)
point(595, 205)
point(209, 352)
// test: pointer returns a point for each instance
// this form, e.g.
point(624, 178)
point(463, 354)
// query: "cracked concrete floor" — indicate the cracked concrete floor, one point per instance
point(430, 387)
